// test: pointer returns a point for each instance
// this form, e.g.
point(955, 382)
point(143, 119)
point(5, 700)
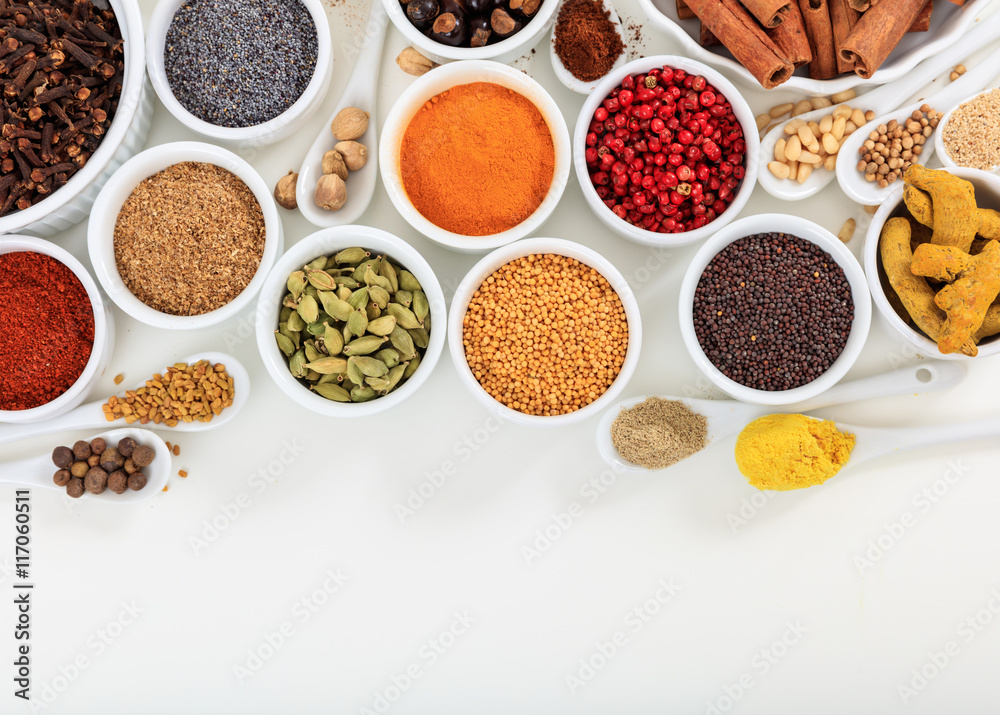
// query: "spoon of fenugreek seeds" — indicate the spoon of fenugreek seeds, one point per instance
point(658, 431)
point(337, 178)
point(202, 392)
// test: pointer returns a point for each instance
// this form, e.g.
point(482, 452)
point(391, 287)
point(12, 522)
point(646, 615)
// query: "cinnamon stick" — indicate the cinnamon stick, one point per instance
point(923, 21)
point(859, 5)
point(791, 38)
point(739, 32)
point(816, 15)
point(843, 18)
point(770, 13)
point(706, 38)
point(684, 12)
point(877, 33)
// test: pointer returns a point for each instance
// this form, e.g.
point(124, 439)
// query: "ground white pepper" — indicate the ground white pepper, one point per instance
point(657, 433)
point(972, 135)
point(189, 239)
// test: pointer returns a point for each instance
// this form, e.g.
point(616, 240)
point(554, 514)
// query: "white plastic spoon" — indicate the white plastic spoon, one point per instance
point(853, 182)
point(567, 78)
point(879, 100)
point(37, 471)
point(874, 442)
point(91, 416)
point(361, 92)
point(726, 417)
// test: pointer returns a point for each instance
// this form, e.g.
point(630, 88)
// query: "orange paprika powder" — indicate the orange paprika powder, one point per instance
point(477, 159)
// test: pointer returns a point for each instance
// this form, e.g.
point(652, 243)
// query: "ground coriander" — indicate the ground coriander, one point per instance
point(657, 433)
point(972, 135)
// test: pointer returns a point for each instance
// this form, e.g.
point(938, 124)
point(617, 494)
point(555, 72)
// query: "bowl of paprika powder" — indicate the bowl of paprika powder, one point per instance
point(56, 332)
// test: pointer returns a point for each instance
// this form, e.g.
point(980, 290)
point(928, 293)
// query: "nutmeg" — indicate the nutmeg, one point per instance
point(333, 163)
point(355, 154)
point(284, 191)
point(331, 192)
point(412, 62)
point(350, 123)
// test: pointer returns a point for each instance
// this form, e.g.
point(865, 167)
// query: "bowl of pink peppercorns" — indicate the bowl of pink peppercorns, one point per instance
point(666, 151)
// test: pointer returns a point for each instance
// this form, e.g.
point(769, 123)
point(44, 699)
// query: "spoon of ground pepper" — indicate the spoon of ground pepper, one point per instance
point(91, 415)
point(37, 471)
point(726, 417)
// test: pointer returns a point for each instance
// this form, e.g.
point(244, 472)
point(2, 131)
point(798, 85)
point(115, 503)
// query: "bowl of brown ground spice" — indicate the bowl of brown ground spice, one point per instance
point(183, 235)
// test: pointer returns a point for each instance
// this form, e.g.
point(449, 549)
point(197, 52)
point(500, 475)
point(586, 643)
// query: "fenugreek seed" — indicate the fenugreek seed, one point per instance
point(847, 230)
point(845, 96)
point(780, 110)
point(119, 378)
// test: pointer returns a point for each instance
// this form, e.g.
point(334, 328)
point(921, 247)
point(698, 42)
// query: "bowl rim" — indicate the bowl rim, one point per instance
point(100, 230)
point(870, 255)
point(806, 230)
point(526, 38)
point(398, 118)
point(939, 146)
point(130, 23)
point(743, 113)
point(83, 383)
point(540, 245)
point(324, 242)
point(159, 23)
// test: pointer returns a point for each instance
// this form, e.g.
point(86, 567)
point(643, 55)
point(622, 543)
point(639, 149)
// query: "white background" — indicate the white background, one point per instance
point(790, 569)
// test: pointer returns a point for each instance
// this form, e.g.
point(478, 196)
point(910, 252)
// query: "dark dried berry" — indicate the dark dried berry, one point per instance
point(81, 449)
point(111, 460)
point(130, 467)
point(137, 481)
point(118, 482)
point(143, 456)
point(62, 477)
point(125, 446)
point(98, 445)
point(96, 480)
point(94, 460)
point(79, 469)
point(62, 457)
point(75, 488)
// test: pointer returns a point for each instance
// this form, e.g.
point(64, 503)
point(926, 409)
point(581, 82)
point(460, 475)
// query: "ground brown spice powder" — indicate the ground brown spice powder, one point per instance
point(189, 239)
point(657, 433)
point(586, 40)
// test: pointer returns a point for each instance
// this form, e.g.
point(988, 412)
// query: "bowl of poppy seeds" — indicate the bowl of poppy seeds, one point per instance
point(774, 309)
point(240, 70)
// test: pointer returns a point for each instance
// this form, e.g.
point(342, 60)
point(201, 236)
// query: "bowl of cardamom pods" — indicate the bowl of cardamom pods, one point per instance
point(350, 321)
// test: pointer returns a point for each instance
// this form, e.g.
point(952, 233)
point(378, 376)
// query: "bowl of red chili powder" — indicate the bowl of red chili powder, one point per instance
point(56, 333)
point(475, 155)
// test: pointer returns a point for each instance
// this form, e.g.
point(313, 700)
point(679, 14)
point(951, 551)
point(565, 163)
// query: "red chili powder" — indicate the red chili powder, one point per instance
point(46, 329)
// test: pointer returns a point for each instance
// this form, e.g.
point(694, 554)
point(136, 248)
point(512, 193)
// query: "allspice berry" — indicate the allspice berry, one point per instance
point(81, 449)
point(331, 193)
point(62, 477)
point(137, 481)
point(79, 469)
point(118, 482)
point(333, 163)
point(126, 445)
point(355, 154)
point(98, 445)
point(350, 123)
point(96, 480)
point(143, 456)
point(62, 457)
point(111, 460)
point(75, 488)
point(284, 192)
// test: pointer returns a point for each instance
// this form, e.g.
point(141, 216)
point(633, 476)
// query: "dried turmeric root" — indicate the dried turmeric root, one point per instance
point(953, 200)
point(967, 300)
point(914, 292)
point(919, 205)
point(991, 324)
point(940, 263)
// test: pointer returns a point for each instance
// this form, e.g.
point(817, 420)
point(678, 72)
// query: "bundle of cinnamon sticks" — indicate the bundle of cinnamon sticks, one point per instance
point(773, 37)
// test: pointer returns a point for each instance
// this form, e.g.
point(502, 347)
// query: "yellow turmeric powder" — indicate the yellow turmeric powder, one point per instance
point(786, 452)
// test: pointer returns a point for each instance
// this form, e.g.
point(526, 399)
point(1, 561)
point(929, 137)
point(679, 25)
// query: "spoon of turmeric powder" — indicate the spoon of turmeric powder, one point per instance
point(727, 417)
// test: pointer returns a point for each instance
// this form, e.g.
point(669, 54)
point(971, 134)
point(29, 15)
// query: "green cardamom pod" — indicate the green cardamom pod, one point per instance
point(370, 367)
point(354, 373)
point(403, 315)
point(394, 376)
point(364, 346)
point(316, 264)
point(312, 375)
point(389, 356)
point(289, 301)
point(310, 290)
point(403, 297)
point(316, 329)
point(358, 299)
point(321, 280)
point(372, 278)
point(351, 255)
point(407, 281)
point(420, 337)
point(411, 366)
point(359, 271)
point(311, 352)
point(358, 323)
point(421, 308)
point(332, 392)
point(382, 326)
point(378, 383)
point(335, 378)
point(296, 323)
point(346, 282)
point(296, 364)
point(373, 311)
point(296, 284)
point(333, 340)
point(363, 394)
point(337, 308)
point(284, 314)
point(308, 309)
point(402, 341)
point(284, 344)
point(343, 292)
point(386, 270)
point(379, 295)
point(328, 365)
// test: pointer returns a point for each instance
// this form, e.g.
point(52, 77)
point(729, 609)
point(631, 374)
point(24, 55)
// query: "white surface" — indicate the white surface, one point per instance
point(746, 564)
point(566, 77)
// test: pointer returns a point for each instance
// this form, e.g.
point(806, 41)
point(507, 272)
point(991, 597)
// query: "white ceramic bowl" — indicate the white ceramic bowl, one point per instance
point(507, 50)
point(740, 108)
point(987, 196)
point(804, 229)
point(949, 24)
point(100, 231)
point(500, 257)
point(432, 84)
point(124, 138)
point(104, 333)
point(939, 145)
point(325, 243)
point(269, 132)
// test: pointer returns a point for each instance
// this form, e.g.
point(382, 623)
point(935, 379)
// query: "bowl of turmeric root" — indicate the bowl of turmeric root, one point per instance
point(932, 258)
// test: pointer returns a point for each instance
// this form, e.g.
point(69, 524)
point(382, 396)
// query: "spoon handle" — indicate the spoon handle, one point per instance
point(363, 81)
point(32, 472)
point(88, 416)
point(929, 376)
point(874, 442)
point(970, 82)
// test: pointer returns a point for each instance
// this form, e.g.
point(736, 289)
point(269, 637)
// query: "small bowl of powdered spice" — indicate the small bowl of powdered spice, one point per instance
point(587, 43)
point(183, 235)
point(969, 135)
point(56, 333)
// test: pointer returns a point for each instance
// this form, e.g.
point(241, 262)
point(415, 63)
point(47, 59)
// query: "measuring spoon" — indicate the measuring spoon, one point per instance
point(361, 92)
point(879, 100)
point(726, 417)
point(37, 471)
point(567, 78)
point(91, 416)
